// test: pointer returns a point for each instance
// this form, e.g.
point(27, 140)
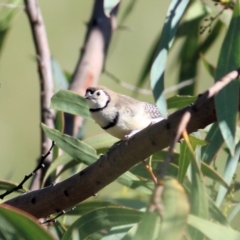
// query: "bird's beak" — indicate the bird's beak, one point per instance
point(88, 95)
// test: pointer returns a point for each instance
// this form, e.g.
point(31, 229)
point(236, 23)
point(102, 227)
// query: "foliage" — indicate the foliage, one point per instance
point(196, 199)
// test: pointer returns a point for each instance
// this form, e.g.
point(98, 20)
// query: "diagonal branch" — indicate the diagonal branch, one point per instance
point(120, 158)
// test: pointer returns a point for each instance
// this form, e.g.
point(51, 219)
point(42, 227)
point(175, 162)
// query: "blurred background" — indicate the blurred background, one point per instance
point(66, 27)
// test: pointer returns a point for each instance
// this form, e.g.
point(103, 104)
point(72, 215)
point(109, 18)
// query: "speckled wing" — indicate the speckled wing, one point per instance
point(152, 111)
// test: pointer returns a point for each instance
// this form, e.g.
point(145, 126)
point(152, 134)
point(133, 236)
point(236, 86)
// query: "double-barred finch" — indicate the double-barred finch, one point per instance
point(120, 115)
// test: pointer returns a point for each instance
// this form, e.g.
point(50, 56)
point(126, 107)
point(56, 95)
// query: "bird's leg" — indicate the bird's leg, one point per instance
point(132, 133)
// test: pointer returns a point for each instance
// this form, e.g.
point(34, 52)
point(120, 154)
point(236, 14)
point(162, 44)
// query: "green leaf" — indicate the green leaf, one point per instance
point(208, 66)
point(212, 230)
point(234, 212)
point(6, 17)
point(174, 219)
point(5, 185)
point(184, 161)
point(174, 14)
point(130, 180)
point(215, 141)
point(25, 226)
point(229, 59)
point(180, 101)
point(100, 141)
point(86, 207)
point(212, 174)
point(198, 196)
point(60, 80)
point(101, 219)
point(230, 169)
point(67, 101)
point(216, 214)
point(148, 228)
point(127, 11)
point(75, 148)
point(140, 171)
point(62, 160)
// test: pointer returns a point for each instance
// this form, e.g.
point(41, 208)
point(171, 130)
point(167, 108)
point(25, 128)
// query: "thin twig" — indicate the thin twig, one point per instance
point(53, 219)
point(26, 177)
point(9, 5)
point(43, 57)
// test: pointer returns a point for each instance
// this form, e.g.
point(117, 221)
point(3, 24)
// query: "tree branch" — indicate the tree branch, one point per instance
point(92, 58)
point(120, 158)
point(45, 74)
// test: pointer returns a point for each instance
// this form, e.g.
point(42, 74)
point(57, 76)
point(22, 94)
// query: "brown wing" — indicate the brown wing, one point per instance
point(152, 110)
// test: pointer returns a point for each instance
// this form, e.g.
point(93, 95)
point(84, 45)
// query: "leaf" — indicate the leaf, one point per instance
point(86, 207)
point(225, 16)
point(100, 141)
point(174, 14)
point(216, 214)
point(108, 6)
point(180, 101)
point(60, 79)
point(212, 174)
point(130, 180)
point(198, 196)
point(230, 169)
point(229, 59)
point(6, 17)
point(148, 228)
point(62, 160)
point(5, 185)
point(140, 171)
point(175, 212)
point(212, 230)
point(75, 148)
point(208, 66)
point(25, 226)
point(127, 11)
point(215, 141)
point(67, 101)
point(101, 219)
point(184, 161)
point(234, 212)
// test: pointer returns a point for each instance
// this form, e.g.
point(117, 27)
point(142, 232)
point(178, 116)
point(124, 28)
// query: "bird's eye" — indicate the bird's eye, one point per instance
point(98, 93)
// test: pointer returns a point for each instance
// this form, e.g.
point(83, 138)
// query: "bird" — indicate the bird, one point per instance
point(120, 115)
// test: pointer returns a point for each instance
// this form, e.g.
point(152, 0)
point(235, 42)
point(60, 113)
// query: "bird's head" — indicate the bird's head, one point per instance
point(97, 98)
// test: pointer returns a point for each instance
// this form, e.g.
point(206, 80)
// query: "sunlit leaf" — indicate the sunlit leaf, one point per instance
point(213, 231)
point(108, 6)
point(70, 102)
point(174, 14)
point(230, 169)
